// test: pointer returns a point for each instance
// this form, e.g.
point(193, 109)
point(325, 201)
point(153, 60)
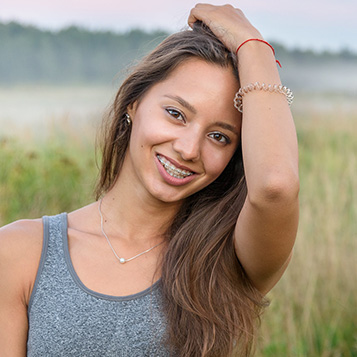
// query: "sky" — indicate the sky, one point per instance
point(307, 24)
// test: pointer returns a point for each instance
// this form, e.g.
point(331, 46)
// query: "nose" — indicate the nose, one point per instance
point(188, 145)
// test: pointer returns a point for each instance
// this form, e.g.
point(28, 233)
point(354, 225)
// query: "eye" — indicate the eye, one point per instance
point(176, 114)
point(220, 138)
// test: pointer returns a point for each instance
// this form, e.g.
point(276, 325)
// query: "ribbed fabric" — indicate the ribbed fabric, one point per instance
point(68, 319)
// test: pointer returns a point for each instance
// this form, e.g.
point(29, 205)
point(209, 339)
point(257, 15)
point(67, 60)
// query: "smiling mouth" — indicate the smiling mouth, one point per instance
point(172, 170)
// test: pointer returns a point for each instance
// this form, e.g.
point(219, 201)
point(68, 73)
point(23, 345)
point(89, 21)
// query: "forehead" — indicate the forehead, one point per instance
point(195, 72)
point(206, 86)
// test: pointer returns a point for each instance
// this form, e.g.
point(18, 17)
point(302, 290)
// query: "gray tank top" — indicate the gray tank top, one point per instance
point(68, 319)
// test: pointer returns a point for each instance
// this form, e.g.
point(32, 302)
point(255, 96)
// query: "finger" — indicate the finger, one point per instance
point(197, 13)
point(193, 17)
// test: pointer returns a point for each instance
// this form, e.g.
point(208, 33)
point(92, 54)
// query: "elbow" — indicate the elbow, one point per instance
point(276, 189)
point(281, 189)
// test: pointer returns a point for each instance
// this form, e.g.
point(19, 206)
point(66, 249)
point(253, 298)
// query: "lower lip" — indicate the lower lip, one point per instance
point(170, 179)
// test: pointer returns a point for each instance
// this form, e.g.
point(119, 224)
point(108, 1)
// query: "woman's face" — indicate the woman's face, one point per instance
point(184, 132)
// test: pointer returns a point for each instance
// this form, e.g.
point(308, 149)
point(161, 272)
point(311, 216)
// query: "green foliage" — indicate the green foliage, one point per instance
point(44, 179)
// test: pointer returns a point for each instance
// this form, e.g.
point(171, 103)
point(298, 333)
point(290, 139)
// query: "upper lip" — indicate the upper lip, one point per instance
point(179, 166)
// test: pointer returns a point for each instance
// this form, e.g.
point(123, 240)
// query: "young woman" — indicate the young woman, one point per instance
point(196, 217)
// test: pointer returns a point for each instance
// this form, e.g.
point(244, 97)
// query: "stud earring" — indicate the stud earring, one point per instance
point(127, 118)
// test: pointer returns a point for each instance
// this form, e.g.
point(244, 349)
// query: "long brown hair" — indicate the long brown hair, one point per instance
point(211, 306)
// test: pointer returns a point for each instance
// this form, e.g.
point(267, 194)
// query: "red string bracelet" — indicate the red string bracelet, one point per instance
point(258, 39)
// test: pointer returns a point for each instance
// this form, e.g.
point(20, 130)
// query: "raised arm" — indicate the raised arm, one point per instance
point(20, 250)
point(267, 226)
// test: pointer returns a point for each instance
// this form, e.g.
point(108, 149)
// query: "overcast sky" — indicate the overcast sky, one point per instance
point(316, 24)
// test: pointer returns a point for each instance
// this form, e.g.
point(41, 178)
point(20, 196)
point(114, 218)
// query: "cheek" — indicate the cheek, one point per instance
point(141, 135)
point(149, 130)
point(216, 162)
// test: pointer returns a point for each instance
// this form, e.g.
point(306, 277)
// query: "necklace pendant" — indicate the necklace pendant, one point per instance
point(121, 260)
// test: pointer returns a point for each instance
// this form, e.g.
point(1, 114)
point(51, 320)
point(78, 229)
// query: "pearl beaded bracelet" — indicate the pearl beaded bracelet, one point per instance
point(238, 98)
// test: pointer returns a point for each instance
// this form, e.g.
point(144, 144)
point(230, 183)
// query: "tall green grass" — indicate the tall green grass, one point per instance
point(313, 308)
point(47, 174)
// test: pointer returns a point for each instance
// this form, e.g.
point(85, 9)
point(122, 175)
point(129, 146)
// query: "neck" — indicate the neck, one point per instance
point(136, 216)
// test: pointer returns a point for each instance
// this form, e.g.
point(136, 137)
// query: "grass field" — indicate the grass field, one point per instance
point(313, 308)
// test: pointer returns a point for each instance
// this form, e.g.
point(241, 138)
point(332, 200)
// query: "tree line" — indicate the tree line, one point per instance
point(72, 55)
point(77, 55)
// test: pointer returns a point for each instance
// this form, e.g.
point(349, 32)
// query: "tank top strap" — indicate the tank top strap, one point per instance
point(53, 253)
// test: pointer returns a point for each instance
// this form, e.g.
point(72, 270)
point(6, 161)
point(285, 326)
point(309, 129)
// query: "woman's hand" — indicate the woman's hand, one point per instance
point(226, 22)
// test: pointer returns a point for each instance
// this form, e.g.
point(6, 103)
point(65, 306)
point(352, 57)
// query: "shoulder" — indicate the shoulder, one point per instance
point(21, 234)
point(20, 253)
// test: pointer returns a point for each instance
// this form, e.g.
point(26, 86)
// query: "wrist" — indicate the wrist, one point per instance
point(256, 62)
point(255, 44)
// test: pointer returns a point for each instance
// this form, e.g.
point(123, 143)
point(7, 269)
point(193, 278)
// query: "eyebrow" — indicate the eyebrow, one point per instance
point(183, 102)
point(192, 109)
point(227, 127)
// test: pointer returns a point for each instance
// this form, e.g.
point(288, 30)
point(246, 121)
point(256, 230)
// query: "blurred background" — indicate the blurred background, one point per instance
point(61, 63)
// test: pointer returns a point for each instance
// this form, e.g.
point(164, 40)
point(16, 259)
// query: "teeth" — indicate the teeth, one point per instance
point(172, 169)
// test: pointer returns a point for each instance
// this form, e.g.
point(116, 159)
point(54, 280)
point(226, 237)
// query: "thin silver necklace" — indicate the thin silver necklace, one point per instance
point(121, 260)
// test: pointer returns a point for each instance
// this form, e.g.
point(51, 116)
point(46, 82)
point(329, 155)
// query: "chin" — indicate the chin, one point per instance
point(168, 195)
point(169, 198)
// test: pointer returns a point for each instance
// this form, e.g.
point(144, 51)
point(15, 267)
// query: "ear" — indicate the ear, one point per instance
point(131, 109)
